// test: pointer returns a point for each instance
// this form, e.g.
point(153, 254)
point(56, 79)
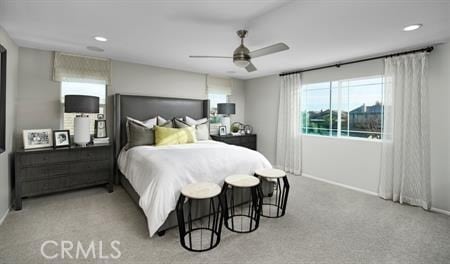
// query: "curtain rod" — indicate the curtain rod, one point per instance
point(427, 49)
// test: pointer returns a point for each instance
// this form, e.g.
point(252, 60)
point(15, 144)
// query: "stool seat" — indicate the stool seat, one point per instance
point(242, 180)
point(270, 173)
point(201, 190)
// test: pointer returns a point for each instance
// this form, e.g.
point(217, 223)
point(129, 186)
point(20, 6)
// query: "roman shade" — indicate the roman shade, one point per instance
point(216, 85)
point(70, 67)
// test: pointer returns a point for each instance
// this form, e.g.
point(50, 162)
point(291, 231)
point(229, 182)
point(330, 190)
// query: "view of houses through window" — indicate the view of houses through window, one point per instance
point(344, 108)
point(82, 88)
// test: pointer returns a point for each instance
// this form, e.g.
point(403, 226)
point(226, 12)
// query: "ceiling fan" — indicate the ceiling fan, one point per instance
point(242, 55)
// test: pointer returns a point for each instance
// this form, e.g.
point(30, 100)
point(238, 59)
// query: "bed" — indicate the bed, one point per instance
point(153, 176)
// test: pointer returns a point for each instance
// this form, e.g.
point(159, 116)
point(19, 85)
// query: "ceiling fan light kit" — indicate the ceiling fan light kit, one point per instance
point(242, 55)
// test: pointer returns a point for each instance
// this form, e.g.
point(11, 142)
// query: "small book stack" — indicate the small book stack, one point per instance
point(100, 140)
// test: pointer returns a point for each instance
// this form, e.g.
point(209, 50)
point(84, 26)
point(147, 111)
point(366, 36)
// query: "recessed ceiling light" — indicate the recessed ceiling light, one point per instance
point(100, 38)
point(412, 27)
point(231, 72)
point(94, 48)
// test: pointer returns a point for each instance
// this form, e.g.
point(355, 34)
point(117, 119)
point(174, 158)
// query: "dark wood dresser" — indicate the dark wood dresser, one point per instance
point(44, 171)
point(248, 141)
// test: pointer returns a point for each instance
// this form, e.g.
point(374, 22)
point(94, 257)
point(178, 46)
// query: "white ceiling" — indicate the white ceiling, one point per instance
point(165, 33)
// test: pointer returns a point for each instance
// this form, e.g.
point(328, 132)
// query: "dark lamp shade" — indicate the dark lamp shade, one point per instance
point(226, 109)
point(81, 104)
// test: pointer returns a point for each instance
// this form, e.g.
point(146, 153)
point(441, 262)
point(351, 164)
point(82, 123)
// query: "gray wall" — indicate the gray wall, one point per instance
point(11, 92)
point(354, 162)
point(38, 98)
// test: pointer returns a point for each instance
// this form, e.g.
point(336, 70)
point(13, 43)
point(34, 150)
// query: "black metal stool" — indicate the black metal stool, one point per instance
point(274, 203)
point(242, 201)
point(199, 236)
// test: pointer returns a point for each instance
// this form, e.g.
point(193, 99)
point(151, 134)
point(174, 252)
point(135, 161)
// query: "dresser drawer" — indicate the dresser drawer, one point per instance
point(90, 178)
point(44, 171)
point(90, 166)
point(94, 154)
point(33, 159)
point(43, 186)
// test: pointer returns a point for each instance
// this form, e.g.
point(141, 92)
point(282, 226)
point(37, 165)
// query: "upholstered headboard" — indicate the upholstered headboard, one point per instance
point(145, 107)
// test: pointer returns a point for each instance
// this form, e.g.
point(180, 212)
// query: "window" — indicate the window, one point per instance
point(214, 99)
point(82, 88)
point(344, 108)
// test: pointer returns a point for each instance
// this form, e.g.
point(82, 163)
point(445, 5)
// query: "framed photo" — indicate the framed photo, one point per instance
point(37, 138)
point(100, 129)
point(61, 138)
point(222, 131)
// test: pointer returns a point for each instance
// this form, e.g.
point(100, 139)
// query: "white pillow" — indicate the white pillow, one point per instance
point(191, 121)
point(148, 123)
point(161, 120)
point(201, 127)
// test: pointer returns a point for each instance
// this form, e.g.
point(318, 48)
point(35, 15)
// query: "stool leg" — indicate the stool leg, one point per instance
point(181, 222)
point(285, 194)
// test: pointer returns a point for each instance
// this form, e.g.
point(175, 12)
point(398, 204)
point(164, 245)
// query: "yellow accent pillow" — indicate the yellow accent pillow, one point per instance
point(172, 136)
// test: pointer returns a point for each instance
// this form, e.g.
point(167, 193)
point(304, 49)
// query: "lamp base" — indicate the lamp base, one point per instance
point(226, 121)
point(81, 129)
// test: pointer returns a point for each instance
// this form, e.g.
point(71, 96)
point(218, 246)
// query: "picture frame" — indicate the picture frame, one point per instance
point(37, 138)
point(61, 138)
point(100, 129)
point(222, 130)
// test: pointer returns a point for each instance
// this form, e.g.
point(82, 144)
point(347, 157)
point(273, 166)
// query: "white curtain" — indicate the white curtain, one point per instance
point(289, 139)
point(405, 161)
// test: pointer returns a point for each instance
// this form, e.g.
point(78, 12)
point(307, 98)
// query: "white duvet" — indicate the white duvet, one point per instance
point(158, 173)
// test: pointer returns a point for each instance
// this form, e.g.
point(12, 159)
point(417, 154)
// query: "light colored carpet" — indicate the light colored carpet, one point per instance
point(323, 224)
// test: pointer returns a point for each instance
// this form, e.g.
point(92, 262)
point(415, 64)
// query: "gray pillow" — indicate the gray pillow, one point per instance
point(139, 135)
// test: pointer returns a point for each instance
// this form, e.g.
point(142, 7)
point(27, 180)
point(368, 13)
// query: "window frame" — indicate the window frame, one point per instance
point(339, 110)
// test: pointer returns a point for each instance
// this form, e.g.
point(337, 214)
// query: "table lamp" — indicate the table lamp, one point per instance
point(226, 109)
point(83, 105)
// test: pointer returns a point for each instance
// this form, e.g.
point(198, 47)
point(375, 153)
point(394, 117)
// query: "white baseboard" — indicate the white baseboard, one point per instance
point(441, 211)
point(433, 209)
point(4, 217)
point(339, 184)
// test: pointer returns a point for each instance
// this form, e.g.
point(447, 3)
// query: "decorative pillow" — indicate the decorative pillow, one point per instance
point(201, 130)
point(181, 124)
point(173, 136)
point(139, 135)
point(168, 124)
point(148, 123)
point(191, 121)
point(161, 120)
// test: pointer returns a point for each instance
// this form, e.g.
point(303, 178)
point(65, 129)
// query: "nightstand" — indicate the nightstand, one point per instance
point(248, 141)
point(45, 171)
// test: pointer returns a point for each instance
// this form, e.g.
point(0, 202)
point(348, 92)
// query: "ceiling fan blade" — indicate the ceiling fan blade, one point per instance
point(269, 50)
point(250, 67)
point(210, 57)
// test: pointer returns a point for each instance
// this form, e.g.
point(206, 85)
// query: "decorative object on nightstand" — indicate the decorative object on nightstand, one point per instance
point(83, 105)
point(61, 138)
point(248, 129)
point(226, 109)
point(222, 131)
point(248, 141)
point(237, 128)
point(45, 171)
point(37, 138)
